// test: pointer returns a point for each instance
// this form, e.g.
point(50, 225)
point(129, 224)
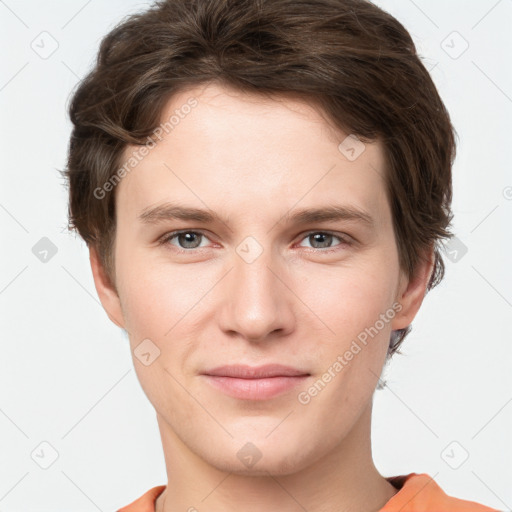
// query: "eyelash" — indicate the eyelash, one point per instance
point(344, 241)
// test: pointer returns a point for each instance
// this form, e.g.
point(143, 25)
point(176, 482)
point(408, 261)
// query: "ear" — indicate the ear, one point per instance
point(412, 291)
point(106, 291)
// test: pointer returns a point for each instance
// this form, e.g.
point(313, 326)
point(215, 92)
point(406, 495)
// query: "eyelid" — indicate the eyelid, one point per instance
point(164, 239)
point(344, 238)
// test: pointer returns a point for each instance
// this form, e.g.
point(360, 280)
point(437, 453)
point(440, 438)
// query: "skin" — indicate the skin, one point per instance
point(253, 160)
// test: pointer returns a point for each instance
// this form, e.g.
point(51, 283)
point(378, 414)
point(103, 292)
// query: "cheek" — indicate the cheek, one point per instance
point(347, 299)
point(157, 306)
point(357, 307)
point(155, 297)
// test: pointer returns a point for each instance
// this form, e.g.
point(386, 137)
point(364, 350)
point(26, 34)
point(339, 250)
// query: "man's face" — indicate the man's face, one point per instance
point(258, 286)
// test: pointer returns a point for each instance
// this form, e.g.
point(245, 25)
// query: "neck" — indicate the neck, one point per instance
point(344, 479)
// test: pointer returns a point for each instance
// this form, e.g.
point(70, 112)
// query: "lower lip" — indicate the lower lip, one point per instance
point(255, 389)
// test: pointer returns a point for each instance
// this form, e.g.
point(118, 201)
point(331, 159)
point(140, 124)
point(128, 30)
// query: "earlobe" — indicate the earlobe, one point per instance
point(412, 292)
point(106, 291)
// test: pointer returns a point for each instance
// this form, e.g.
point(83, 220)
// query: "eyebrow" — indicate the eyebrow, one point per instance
point(169, 211)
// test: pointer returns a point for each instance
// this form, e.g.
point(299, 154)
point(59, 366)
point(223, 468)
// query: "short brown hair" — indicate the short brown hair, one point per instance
point(350, 58)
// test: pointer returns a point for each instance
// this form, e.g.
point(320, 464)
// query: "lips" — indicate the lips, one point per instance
point(255, 372)
point(255, 382)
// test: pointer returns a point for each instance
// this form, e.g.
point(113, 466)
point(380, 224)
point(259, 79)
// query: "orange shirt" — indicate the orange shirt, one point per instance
point(421, 493)
point(418, 492)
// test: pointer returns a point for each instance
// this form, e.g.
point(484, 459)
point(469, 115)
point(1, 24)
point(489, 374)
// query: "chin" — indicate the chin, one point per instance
point(261, 455)
point(277, 464)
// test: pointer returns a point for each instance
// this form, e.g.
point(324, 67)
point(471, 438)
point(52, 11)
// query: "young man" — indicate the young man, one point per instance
point(263, 186)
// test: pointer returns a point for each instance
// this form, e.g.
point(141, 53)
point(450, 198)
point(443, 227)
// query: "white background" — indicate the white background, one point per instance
point(66, 375)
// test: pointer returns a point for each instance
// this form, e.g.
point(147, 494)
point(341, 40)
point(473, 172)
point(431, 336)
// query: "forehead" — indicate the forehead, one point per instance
point(248, 117)
point(226, 146)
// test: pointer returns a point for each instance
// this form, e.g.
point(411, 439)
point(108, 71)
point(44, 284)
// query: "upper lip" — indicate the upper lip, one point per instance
point(255, 372)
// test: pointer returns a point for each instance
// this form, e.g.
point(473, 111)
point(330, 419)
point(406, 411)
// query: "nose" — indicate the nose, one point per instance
point(257, 305)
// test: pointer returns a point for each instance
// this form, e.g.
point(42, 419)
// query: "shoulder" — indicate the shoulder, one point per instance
point(419, 492)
